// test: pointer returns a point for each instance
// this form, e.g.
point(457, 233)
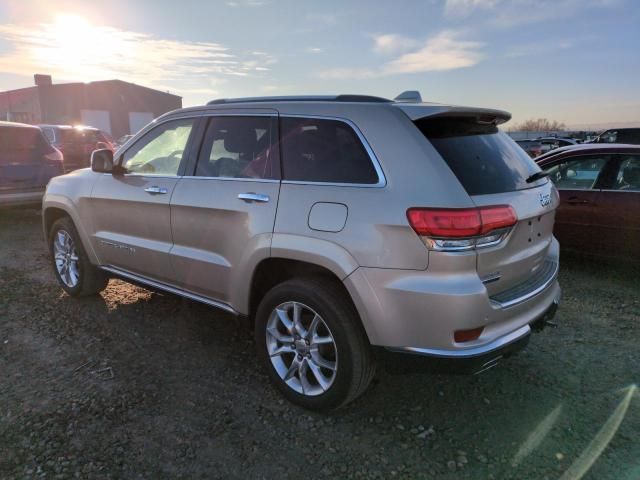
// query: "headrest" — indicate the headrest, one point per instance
point(240, 140)
point(631, 175)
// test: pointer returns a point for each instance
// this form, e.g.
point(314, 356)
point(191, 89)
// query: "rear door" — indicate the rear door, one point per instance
point(223, 212)
point(130, 213)
point(577, 179)
point(615, 226)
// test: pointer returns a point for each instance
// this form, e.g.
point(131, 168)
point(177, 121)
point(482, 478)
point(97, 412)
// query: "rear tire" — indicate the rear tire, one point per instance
point(309, 336)
point(75, 273)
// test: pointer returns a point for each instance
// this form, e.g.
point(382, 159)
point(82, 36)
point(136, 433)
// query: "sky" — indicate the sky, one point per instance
point(574, 61)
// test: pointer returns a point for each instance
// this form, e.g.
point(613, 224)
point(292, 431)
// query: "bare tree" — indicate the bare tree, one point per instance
point(538, 125)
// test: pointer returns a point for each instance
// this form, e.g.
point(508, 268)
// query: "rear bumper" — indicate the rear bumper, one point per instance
point(475, 360)
point(419, 311)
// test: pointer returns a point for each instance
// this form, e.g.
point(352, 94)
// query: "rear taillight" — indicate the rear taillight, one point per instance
point(461, 228)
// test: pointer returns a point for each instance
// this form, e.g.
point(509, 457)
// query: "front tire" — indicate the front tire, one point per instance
point(310, 339)
point(71, 266)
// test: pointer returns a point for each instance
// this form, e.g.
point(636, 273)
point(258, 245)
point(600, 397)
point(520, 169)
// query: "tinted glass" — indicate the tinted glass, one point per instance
point(159, 151)
point(628, 177)
point(240, 147)
point(317, 150)
point(577, 174)
point(629, 136)
point(20, 145)
point(483, 159)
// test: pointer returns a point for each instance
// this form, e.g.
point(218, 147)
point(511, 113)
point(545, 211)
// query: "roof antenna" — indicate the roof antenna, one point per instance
point(409, 96)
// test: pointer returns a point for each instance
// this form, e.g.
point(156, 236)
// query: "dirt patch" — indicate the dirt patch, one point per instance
point(189, 400)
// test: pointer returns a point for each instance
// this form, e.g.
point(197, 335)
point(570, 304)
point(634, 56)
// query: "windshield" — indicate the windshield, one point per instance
point(483, 159)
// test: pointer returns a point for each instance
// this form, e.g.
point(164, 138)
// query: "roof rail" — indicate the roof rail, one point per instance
point(303, 98)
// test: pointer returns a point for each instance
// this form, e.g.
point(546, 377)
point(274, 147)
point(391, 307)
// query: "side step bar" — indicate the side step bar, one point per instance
point(167, 288)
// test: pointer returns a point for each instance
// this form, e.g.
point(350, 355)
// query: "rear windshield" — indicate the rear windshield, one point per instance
point(483, 159)
point(14, 139)
point(21, 144)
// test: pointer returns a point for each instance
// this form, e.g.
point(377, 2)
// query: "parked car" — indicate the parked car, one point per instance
point(27, 163)
point(599, 188)
point(77, 143)
point(551, 143)
point(619, 135)
point(532, 147)
point(340, 226)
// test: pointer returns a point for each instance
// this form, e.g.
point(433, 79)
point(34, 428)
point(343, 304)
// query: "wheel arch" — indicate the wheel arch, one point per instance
point(59, 207)
point(273, 271)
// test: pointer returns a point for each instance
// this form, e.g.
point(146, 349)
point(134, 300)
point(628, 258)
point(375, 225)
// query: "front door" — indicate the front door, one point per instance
point(130, 211)
point(223, 213)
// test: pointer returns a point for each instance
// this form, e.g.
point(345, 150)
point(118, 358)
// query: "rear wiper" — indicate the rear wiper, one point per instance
point(537, 176)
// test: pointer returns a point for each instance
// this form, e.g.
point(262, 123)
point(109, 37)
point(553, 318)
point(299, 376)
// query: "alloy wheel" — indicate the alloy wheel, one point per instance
point(66, 258)
point(301, 348)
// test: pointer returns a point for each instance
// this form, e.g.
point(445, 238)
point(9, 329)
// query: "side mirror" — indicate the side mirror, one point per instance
point(102, 161)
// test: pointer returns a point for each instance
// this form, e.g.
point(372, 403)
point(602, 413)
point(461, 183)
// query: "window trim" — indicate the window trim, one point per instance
point(382, 180)
point(205, 118)
point(152, 126)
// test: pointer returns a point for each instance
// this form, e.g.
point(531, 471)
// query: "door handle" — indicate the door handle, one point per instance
point(577, 201)
point(155, 190)
point(253, 197)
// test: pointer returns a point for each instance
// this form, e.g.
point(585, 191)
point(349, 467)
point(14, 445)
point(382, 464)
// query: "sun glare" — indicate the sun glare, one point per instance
point(72, 43)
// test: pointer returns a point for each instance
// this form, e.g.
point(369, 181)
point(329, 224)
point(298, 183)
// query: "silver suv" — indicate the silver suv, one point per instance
point(343, 228)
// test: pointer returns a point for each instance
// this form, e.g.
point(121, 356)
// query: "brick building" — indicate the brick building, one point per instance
point(114, 106)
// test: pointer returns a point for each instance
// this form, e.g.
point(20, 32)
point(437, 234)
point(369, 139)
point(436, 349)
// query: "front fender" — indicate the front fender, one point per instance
point(61, 202)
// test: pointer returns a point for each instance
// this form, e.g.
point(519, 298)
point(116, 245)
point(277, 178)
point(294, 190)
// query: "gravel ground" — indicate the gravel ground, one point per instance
point(134, 384)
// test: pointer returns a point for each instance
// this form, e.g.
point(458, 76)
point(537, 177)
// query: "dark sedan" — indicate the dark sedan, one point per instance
point(599, 189)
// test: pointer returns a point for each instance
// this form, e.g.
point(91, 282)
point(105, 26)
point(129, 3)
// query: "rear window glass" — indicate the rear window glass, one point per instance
point(322, 150)
point(20, 139)
point(21, 145)
point(484, 160)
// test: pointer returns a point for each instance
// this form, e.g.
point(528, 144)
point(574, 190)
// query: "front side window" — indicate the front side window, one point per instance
point(240, 147)
point(628, 177)
point(323, 150)
point(159, 151)
point(610, 136)
point(577, 174)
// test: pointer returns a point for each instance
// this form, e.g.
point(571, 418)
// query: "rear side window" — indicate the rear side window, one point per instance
point(240, 147)
point(628, 175)
point(484, 160)
point(323, 150)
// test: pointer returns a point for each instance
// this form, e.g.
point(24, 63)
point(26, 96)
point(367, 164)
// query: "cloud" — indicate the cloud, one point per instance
point(314, 50)
point(444, 51)
point(392, 43)
point(247, 3)
point(72, 49)
point(510, 13)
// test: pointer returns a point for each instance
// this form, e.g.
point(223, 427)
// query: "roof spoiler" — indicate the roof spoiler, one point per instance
point(485, 116)
point(409, 96)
